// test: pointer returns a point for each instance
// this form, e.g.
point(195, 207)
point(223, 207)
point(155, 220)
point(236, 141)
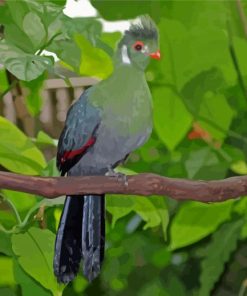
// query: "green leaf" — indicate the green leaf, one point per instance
point(16, 37)
point(5, 244)
point(215, 110)
point(224, 242)
point(6, 271)
point(171, 119)
point(30, 25)
point(152, 210)
point(94, 61)
point(240, 207)
point(111, 38)
point(108, 42)
point(125, 171)
point(153, 288)
point(8, 216)
point(80, 284)
point(65, 45)
point(29, 286)
point(17, 152)
point(204, 163)
point(239, 167)
point(161, 258)
point(195, 89)
point(17, 11)
point(7, 219)
point(120, 206)
point(181, 46)
point(44, 140)
point(21, 200)
point(89, 27)
point(3, 81)
point(149, 151)
point(240, 46)
point(111, 10)
point(34, 28)
point(201, 14)
point(161, 206)
point(33, 99)
point(23, 65)
point(69, 52)
point(13, 31)
point(145, 208)
point(243, 235)
point(175, 286)
point(35, 250)
point(7, 292)
point(51, 169)
point(195, 220)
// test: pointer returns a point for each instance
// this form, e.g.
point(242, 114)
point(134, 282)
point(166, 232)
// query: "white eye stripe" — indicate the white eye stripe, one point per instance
point(125, 56)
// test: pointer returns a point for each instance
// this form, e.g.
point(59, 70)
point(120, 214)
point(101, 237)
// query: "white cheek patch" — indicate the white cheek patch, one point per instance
point(125, 56)
point(145, 49)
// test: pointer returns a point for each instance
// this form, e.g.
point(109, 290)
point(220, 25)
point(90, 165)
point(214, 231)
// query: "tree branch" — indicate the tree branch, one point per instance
point(142, 184)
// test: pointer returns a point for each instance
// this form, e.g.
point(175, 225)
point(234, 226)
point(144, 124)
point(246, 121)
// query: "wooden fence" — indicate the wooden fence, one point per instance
point(57, 97)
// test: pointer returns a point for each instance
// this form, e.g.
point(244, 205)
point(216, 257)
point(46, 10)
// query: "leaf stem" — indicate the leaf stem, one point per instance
point(242, 16)
point(48, 43)
point(235, 61)
point(12, 206)
point(30, 212)
point(243, 288)
point(3, 229)
point(12, 85)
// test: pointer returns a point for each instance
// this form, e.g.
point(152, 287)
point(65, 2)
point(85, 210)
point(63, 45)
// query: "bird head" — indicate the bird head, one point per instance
point(140, 43)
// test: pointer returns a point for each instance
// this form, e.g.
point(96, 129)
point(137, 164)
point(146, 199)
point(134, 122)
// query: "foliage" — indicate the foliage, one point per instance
point(218, 252)
point(155, 246)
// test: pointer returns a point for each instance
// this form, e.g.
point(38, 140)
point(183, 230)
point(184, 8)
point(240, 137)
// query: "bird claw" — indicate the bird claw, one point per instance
point(119, 176)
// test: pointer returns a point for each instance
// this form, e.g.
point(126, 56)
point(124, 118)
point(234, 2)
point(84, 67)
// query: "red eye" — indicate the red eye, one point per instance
point(138, 45)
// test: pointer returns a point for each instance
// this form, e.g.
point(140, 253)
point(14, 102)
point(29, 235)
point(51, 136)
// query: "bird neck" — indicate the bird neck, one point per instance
point(125, 82)
point(122, 60)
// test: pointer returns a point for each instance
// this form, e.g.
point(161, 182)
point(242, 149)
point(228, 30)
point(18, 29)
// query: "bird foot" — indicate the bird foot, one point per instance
point(119, 176)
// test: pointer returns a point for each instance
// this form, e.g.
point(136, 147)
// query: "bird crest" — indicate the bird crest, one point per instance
point(143, 28)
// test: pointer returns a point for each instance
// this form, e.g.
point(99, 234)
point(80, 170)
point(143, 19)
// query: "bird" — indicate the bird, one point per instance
point(108, 121)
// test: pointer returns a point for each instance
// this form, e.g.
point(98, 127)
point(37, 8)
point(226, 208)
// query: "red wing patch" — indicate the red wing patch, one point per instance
point(71, 154)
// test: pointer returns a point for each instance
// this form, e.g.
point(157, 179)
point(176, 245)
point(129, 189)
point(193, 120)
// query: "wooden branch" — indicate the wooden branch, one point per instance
point(142, 184)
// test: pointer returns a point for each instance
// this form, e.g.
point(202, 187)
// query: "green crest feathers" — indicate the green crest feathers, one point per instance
point(143, 28)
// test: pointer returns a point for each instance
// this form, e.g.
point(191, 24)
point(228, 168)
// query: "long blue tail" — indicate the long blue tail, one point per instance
point(81, 235)
point(93, 235)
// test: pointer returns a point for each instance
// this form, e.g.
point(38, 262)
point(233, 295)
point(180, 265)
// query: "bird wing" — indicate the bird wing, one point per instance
point(79, 133)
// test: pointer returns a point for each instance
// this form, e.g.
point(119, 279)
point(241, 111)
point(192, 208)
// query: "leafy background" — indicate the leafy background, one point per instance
point(155, 246)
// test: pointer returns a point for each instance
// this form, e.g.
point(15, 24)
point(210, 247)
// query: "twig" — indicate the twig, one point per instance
point(142, 184)
point(40, 217)
point(242, 16)
point(243, 288)
point(235, 61)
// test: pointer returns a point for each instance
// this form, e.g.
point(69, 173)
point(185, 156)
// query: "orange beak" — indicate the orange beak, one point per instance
point(155, 55)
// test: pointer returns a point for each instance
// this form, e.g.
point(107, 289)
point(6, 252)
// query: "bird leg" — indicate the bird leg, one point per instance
point(119, 176)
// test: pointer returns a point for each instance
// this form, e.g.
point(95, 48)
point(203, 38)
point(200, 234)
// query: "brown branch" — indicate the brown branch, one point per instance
point(142, 184)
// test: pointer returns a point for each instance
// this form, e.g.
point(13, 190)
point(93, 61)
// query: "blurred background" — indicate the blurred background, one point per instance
point(50, 52)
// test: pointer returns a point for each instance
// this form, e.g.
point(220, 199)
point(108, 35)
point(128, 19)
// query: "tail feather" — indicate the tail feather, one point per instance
point(81, 234)
point(93, 235)
point(68, 251)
